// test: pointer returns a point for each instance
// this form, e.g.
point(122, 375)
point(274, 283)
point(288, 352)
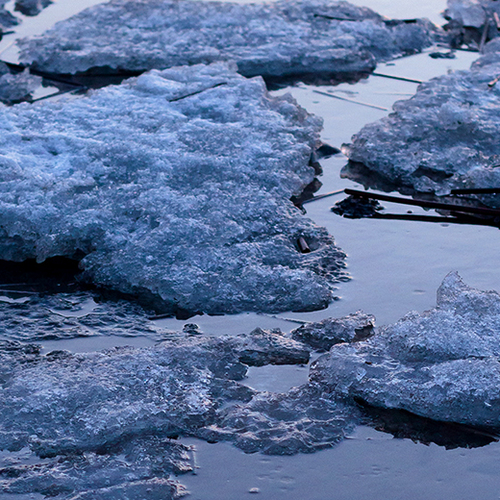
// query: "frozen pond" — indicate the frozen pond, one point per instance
point(396, 266)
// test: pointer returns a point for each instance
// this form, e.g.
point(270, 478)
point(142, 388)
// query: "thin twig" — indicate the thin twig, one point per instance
point(484, 35)
point(463, 219)
point(321, 196)
point(350, 100)
point(61, 92)
point(476, 190)
point(290, 320)
point(197, 92)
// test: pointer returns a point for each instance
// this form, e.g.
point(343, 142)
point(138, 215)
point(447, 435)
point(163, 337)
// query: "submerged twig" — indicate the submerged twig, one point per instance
point(491, 212)
point(290, 320)
point(351, 100)
point(402, 78)
point(440, 219)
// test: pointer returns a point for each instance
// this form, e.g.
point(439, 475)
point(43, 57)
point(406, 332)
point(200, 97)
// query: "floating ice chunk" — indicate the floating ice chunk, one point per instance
point(442, 364)
point(285, 38)
point(469, 13)
point(174, 185)
point(324, 334)
point(444, 137)
point(7, 20)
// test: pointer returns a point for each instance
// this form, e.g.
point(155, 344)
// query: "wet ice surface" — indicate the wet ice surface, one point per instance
point(99, 425)
point(278, 39)
point(73, 316)
point(181, 194)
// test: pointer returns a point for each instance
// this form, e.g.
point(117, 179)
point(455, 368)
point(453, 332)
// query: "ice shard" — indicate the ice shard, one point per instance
point(442, 364)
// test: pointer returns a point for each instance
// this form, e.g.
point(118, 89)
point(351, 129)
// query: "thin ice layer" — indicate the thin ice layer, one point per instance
point(444, 137)
point(276, 39)
point(174, 185)
point(442, 364)
point(66, 316)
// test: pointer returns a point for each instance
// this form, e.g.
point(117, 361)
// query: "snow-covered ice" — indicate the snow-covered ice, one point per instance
point(176, 186)
point(444, 137)
point(442, 364)
point(295, 38)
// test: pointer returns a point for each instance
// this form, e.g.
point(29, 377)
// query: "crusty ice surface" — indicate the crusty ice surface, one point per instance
point(442, 364)
point(444, 137)
point(175, 185)
point(276, 39)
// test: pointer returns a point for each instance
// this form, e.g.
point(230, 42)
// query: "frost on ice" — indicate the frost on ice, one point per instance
point(175, 185)
point(444, 137)
point(294, 38)
point(442, 364)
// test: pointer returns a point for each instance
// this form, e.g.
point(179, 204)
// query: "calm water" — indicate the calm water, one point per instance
point(396, 266)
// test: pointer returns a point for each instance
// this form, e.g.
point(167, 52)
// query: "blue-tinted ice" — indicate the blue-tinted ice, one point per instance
point(175, 186)
point(300, 37)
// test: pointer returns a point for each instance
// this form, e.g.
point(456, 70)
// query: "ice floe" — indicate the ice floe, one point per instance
point(445, 137)
point(330, 331)
point(174, 185)
point(288, 38)
point(102, 424)
point(105, 424)
point(442, 364)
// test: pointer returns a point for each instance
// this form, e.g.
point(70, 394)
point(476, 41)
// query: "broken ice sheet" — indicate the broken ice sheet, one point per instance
point(442, 364)
point(445, 137)
point(292, 38)
point(175, 186)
